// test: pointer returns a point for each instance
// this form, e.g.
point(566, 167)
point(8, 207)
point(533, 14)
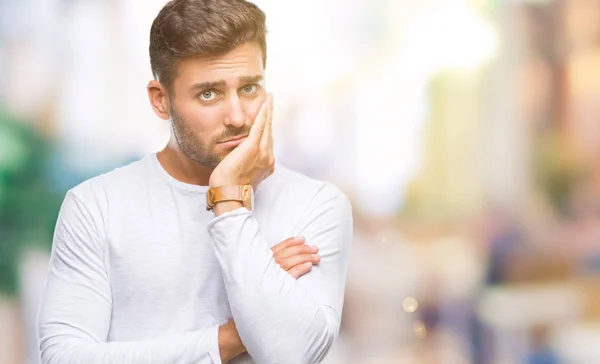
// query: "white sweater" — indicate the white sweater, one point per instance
point(141, 273)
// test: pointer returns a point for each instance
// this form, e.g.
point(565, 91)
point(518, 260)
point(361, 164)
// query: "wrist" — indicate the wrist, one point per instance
point(230, 344)
point(225, 206)
point(227, 198)
point(220, 181)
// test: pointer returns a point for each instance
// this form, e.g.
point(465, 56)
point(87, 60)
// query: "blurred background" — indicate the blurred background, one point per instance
point(465, 132)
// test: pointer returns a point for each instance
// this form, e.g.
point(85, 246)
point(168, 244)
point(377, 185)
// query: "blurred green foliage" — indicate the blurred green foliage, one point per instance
point(29, 203)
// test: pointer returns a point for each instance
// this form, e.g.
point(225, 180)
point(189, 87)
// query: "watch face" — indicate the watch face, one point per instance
point(248, 201)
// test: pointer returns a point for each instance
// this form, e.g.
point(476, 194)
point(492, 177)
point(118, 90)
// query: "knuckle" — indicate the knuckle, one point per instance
point(301, 250)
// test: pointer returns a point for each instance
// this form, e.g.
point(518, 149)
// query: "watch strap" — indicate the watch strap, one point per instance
point(215, 195)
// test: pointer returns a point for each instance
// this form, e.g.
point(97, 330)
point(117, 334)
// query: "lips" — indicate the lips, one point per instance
point(235, 139)
point(231, 143)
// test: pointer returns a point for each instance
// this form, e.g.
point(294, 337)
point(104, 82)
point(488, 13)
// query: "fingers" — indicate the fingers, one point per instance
point(266, 140)
point(295, 257)
point(287, 243)
point(300, 270)
point(296, 250)
point(258, 127)
point(291, 262)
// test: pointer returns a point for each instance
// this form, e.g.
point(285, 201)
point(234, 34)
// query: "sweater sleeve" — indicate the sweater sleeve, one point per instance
point(75, 314)
point(281, 319)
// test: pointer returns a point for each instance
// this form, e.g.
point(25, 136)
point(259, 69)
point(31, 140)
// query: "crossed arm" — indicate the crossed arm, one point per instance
point(294, 257)
point(278, 318)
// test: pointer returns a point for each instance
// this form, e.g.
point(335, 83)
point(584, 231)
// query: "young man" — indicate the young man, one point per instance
point(170, 259)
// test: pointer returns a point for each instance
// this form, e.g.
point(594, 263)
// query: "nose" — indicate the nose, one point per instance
point(236, 115)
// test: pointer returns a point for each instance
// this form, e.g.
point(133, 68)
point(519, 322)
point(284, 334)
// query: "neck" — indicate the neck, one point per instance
point(181, 167)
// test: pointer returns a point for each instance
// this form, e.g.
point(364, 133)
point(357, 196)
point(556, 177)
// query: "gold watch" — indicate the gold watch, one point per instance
point(243, 194)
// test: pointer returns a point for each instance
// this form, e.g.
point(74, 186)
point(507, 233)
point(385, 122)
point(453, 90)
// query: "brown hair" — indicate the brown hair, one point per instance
point(200, 28)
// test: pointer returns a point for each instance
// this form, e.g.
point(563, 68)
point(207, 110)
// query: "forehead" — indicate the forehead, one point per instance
point(244, 60)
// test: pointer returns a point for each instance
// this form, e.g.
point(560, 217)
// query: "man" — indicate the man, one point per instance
point(169, 259)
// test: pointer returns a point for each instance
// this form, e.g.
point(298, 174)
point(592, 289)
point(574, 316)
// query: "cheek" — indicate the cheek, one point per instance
point(253, 107)
point(204, 121)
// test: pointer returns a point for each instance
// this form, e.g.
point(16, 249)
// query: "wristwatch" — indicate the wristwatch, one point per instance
point(243, 194)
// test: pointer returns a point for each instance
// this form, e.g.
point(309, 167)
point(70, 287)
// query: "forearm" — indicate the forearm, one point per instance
point(277, 319)
point(279, 329)
point(198, 347)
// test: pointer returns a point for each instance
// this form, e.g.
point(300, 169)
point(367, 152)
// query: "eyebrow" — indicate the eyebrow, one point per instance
point(221, 83)
point(251, 79)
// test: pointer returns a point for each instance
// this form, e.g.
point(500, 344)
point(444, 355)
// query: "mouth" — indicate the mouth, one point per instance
point(234, 139)
point(233, 142)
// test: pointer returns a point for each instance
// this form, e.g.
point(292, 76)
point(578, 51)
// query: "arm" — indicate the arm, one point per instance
point(296, 259)
point(75, 313)
point(279, 319)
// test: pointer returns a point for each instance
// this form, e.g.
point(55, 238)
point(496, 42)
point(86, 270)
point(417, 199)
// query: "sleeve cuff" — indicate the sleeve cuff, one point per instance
point(220, 222)
point(214, 353)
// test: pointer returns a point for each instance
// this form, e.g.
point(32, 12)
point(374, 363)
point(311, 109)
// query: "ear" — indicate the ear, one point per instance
point(159, 99)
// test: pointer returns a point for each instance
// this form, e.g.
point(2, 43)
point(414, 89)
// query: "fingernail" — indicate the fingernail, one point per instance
point(300, 238)
point(308, 264)
point(315, 248)
point(315, 256)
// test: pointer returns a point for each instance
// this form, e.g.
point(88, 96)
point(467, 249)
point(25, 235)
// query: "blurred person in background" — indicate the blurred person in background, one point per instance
point(170, 258)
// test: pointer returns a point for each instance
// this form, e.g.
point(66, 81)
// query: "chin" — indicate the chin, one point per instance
point(222, 154)
point(227, 150)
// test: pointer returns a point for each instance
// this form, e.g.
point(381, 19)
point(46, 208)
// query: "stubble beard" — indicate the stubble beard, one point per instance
point(191, 145)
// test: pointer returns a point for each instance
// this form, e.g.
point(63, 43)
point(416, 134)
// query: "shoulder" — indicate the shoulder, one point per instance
point(98, 195)
point(290, 192)
point(118, 180)
point(289, 184)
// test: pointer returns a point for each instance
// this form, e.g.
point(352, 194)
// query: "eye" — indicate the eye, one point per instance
point(250, 89)
point(208, 95)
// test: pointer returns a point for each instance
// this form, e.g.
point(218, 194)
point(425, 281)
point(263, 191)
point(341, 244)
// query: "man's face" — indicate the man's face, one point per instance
point(216, 100)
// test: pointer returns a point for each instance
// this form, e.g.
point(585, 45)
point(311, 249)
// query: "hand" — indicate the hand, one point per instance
point(252, 161)
point(230, 344)
point(295, 257)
